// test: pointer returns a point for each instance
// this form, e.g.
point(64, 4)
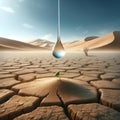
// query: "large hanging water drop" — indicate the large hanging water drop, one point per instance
point(58, 50)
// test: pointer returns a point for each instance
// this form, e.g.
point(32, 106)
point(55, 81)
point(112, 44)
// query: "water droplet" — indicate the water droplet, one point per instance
point(58, 50)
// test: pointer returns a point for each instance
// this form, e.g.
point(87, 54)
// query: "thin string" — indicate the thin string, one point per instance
point(59, 18)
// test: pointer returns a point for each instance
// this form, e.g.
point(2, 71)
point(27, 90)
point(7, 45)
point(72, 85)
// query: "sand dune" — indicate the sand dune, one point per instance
point(5, 47)
point(115, 45)
point(7, 44)
point(42, 43)
point(108, 42)
point(73, 44)
point(99, 42)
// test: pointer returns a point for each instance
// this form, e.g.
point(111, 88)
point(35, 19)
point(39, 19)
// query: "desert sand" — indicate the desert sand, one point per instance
point(42, 43)
point(8, 44)
point(87, 88)
point(110, 41)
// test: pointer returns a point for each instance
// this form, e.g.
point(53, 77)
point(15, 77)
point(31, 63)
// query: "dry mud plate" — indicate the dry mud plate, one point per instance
point(88, 87)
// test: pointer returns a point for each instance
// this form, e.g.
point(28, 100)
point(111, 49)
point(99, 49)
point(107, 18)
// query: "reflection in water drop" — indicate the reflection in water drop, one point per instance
point(58, 50)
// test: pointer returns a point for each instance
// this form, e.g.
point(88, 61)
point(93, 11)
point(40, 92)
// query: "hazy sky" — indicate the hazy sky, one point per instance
point(31, 19)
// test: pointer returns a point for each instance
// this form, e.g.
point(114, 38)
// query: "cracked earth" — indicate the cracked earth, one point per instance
point(88, 87)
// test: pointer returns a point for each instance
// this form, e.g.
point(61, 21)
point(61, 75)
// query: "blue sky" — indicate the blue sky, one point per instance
point(26, 20)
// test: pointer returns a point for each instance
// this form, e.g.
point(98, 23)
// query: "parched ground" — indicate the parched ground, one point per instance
point(88, 87)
